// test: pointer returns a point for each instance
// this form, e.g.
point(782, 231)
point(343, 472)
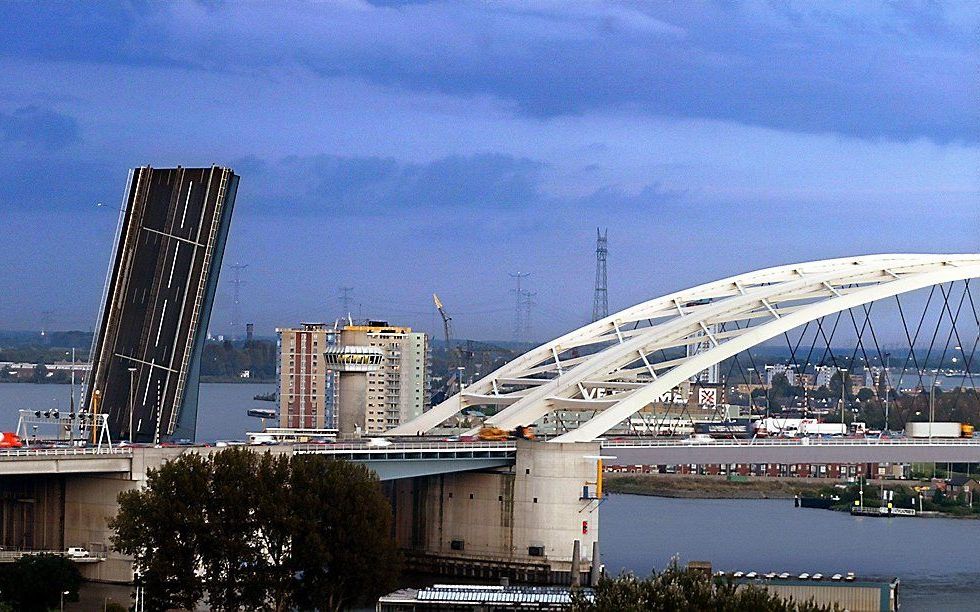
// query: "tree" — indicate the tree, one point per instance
point(259, 532)
point(36, 582)
point(164, 527)
point(232, 555)
point(687, 590)
point(780, 385)
point(836, 381)
point(341, 543)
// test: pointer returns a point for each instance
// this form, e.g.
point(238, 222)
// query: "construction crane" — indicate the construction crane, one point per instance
point(447, 322)
point(454, 377)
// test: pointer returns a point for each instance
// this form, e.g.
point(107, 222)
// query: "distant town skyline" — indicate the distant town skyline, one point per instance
point(410, 148)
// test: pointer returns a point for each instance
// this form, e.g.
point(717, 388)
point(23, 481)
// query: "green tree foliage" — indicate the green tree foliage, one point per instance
point(339, 541)
point(682, 590)
point(36, 582)
point(165, 529)
point(836, 382)
point(257, 531)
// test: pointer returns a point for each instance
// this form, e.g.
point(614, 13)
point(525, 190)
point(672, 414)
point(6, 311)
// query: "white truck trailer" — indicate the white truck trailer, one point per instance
point(933, 430)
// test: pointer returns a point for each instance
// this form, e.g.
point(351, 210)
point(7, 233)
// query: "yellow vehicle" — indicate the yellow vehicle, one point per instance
point(492, 434)
point(495, 434)
point(966, 430)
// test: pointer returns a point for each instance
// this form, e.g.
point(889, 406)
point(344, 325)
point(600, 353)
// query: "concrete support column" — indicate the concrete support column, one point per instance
point(520, 522)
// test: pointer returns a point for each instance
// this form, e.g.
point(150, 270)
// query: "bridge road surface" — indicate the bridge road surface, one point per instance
point(158, 283)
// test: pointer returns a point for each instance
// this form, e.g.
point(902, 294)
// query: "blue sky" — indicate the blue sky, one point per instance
point(405, 148)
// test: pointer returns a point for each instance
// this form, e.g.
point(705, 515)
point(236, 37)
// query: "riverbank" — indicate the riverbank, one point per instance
point(709, 487)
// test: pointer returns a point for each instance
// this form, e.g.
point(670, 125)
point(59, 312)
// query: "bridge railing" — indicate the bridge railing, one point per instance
point(833, 442)
point(62, 452)
point(406, 446)
point(10, 556)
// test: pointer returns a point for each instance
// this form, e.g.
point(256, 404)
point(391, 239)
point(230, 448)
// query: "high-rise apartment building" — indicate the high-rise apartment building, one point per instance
point(360, 379)
point(307, 390)
point(382, 376)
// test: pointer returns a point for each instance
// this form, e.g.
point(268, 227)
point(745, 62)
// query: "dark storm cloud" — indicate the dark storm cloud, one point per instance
point(373, 185)
point(872, 70)
point(35, 126)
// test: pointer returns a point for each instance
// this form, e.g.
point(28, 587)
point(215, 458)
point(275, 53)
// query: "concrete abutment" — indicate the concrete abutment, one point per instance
point(520, 522)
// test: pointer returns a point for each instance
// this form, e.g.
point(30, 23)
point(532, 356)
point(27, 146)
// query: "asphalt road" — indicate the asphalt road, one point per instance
point(156, 286)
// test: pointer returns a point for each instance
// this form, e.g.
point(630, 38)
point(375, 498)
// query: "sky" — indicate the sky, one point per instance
point(406, 148)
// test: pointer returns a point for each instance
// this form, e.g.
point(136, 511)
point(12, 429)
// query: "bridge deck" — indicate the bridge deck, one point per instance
point(405, 460)
point(21, 461)
point(389, 462)
point(847, 450)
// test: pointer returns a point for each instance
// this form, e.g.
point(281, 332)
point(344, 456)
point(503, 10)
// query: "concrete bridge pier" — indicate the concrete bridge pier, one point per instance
point(520, 522)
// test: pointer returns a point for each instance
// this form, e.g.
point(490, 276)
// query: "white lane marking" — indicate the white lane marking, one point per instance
point(163, 314)
point(186, 201)
point(176, 251)
point(153, 231)
point(146, 391)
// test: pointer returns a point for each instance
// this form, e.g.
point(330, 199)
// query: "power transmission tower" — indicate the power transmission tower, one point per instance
point(519, 306)
point(237, 283)
point(600, 303)
point(527, 303)
point(46, 325)
point(345, 295)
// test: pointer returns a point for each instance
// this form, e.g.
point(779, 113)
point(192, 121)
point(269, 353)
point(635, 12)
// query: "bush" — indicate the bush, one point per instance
point(676, 589)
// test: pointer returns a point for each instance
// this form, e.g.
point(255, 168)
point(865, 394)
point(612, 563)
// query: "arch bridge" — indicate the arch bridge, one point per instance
point(616, 366)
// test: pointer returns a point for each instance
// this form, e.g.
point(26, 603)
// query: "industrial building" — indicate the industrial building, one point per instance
point(361, 379)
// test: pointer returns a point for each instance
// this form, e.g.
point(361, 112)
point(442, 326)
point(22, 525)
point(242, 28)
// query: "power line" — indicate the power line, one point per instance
point(600, 301)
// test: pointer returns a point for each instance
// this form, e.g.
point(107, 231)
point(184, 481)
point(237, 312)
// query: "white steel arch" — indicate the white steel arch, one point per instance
point(624, 356)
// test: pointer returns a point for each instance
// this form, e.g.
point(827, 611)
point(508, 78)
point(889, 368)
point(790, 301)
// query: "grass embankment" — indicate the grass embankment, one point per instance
point(709, 487)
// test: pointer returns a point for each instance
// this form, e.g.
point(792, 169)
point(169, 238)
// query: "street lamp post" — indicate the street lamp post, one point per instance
point(888, 362)
point(843, 401)
point(62, 603)
point(459, 381)
point(132, 373)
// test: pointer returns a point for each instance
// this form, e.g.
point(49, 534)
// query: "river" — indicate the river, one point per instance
point(221, 407)
point(937, 560)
